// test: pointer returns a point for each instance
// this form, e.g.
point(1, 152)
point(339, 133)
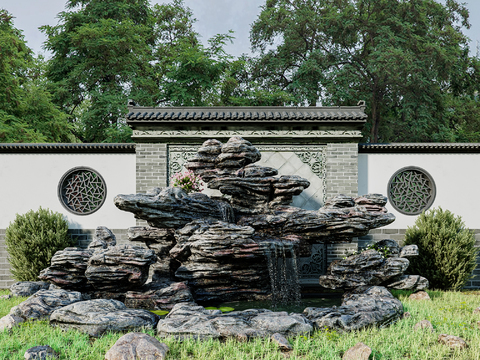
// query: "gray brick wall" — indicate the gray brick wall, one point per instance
point(151, 168)
point(83, 236)
point(341, 250)
point(342, 169)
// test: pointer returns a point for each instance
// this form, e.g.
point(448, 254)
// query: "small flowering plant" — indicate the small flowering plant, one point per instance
point(188, 181)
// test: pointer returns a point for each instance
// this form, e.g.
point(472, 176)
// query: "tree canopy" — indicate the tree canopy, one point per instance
point(408, 60)
point(27, 113)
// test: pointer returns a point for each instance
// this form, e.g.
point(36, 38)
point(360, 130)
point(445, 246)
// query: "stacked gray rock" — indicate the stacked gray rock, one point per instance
point(207, 235)
point(375, 267)
point(203, 163)
point(159, 295)
point(221, 261)
point(170, 207)
point(161, 241)
point(119, 268)
point(341, 219)
point(67, 269)
point(104, 238)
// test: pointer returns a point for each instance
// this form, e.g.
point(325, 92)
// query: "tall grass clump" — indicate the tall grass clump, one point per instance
point(32, 239)
point(446, 247)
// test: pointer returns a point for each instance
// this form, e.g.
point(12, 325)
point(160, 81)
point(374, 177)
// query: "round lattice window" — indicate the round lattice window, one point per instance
point(82, 190)
point(411, 190)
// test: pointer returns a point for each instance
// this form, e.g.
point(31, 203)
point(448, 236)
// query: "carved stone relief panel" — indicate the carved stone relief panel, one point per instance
point(310, 268)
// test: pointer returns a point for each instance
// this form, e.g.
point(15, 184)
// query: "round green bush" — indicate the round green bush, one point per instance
point(447, 253)
point(32, 239)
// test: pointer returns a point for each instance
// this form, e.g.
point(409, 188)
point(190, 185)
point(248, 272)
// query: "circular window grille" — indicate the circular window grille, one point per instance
point(82, 191)
point(411, 190)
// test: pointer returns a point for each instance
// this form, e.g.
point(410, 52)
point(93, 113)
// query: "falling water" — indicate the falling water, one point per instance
point(226, 210)
point(283, 271)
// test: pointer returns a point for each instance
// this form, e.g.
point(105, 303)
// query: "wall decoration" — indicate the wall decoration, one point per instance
point(411, 190)
point(82, 190)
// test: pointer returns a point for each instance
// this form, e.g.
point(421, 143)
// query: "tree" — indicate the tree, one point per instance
point(101, 53)
point(27, 113)
point(403, 57)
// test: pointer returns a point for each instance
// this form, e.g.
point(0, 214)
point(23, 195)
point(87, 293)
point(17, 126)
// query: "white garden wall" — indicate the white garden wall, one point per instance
point(30, 180)
point(456, 176)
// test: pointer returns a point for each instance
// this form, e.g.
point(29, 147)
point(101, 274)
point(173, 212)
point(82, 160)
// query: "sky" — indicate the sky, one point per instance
point(213, 17)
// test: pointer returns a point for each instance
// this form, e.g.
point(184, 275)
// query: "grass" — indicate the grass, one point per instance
point(449, 312)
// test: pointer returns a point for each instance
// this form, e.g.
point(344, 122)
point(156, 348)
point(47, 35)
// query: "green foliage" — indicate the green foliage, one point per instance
point(406, 59)
point(32, 239)
point(27, 113)
point(446, 247)
point(99, 49)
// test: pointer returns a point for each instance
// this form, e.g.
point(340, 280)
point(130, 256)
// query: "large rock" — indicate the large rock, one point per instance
point(328, 224)
point(368, 306)
point(203, 163)
point(257, 195)
point(8, 322)
point(95, 317)
point(367, 268)
point(236, 153)
point(104, 238)
point(158, 296)
point(67, 269)
point(28, 288)
point(187, 320)
point(133, 346)
point(407, 282)
point(170, 207)
point(119, 268)
point(221, 261)
point(41, 304)
point(161, 241)
point(42, 352)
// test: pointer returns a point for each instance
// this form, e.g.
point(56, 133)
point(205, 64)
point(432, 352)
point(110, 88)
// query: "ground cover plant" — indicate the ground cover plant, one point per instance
point(449, 312)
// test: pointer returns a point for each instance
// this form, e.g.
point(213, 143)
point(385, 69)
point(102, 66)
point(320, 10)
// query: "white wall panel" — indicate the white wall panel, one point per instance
point(28, 181)
point(456, 176)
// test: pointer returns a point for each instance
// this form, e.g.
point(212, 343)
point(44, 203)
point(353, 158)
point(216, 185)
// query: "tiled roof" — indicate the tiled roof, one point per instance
point(420, 148)
point(66, 148)
point(245, 114)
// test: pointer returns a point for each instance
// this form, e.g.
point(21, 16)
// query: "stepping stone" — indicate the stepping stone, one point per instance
point(43, 352)
point(28, 288)
point(133, 346)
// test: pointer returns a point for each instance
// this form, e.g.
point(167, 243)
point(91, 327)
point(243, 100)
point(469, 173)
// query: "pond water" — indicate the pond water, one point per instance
point(321, 302)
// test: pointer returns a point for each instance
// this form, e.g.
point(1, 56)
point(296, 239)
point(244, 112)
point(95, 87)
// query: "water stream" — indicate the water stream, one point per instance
point(283, 271)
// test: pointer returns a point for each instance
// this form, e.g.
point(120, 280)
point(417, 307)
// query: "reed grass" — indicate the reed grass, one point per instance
point(449, 312)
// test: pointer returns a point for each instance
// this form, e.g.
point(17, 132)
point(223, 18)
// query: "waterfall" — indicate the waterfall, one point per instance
point(283, 271)
point(226, 210)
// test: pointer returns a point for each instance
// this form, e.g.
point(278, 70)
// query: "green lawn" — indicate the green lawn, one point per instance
point(449, 312)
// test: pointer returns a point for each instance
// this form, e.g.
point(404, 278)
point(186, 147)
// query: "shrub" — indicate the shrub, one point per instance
point(32, 239)
point(446, 247)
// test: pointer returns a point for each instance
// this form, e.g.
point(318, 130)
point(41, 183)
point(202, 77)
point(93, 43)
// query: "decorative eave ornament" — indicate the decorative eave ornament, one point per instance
point(258, 123)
